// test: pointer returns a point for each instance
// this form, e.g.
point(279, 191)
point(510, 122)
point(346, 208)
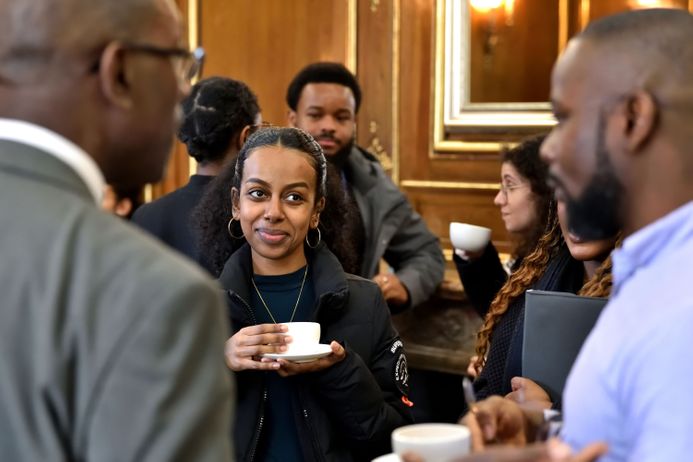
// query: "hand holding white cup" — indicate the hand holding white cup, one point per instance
point(305, 336)
point(433, 442)
point(469, 238)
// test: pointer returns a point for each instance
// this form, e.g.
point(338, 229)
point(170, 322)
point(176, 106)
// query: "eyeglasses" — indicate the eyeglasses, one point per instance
point(506, 189)
point(187, 64)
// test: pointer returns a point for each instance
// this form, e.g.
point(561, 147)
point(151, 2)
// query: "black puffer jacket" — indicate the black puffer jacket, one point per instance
point(348, 410)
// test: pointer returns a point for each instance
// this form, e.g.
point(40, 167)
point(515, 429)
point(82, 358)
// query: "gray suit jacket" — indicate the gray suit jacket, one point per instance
point(111, 347)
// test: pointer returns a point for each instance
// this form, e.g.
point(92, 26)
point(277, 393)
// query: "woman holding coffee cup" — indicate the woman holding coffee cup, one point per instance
point(342, 406)
point(524, 202)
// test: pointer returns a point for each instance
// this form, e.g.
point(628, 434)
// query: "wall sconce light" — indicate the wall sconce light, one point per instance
point(651, 4)
point(484, 6)
point(488, 6)
point(490, 9)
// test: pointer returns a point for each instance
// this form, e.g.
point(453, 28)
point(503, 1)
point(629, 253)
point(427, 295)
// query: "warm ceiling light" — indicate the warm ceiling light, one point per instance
point(484, 6)
point(650, 3)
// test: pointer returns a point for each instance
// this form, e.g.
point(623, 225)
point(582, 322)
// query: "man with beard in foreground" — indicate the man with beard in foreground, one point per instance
point(622, 157)
point(323, 99)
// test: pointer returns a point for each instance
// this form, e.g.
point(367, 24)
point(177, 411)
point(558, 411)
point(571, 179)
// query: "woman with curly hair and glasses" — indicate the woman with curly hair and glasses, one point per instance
point(560, 262)
point(524, 202)
point(342, 406)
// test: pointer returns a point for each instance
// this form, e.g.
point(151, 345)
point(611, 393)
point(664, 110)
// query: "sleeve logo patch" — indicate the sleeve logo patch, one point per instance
point(395, 346)
point(402, 374)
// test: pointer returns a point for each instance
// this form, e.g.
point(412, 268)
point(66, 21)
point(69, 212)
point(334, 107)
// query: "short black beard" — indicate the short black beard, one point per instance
point(595, 215)
point(339, 158)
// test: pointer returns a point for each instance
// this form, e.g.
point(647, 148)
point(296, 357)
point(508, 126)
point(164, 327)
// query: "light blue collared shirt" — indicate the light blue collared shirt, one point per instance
point(631, 383)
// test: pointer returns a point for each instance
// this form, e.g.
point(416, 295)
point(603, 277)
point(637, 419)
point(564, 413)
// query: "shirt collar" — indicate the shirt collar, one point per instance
point(655, 240)
point(59, 147)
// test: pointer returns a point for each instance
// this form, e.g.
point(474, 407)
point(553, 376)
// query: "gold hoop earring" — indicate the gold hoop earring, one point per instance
point(228, 228)
point(317, 242)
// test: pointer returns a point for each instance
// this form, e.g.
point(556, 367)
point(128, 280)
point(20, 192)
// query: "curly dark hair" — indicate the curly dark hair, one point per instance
point(215, 113)
point(211, 216)
point(322, 72)
point(529, 272)
point(336, 222)
point(602, 281)
point(525, 158)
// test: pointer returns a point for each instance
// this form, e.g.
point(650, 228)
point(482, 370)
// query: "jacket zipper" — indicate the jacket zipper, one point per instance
point(313, 439)
point(261, 421)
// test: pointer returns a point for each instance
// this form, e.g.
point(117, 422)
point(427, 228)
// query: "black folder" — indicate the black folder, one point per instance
point(556, 325)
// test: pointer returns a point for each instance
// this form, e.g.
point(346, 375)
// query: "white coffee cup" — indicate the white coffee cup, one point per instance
point(470, 238)
point(304, 336)
point(434, 442)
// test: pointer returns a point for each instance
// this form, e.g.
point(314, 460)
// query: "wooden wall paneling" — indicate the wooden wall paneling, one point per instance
point(265, 42)
point(177, 169)
point(440, 206)
point(442, 188)
point(416, 48)
point(376, 72)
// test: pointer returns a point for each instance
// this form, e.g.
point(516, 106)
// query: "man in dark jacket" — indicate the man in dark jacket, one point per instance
point(323, 99)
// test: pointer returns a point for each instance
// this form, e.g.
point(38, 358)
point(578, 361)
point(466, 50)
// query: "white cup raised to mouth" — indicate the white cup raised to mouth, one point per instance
point(470, 238)
point(305, 336)
point(434, 442)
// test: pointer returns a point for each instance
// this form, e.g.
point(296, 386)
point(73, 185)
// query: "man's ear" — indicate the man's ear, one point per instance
point(114, 76)
point(242, 137)
point(291, 118)
point(641, 115)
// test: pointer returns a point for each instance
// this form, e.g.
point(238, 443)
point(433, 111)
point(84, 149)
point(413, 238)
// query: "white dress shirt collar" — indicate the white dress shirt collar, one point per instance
point(58, 146)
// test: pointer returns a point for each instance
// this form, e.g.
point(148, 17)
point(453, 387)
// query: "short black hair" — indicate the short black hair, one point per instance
point(322, 72)
point(215, 112)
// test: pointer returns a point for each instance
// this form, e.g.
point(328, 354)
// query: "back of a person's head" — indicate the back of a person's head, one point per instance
point(63, 67)
point(39, 35)
point(654, 48)
point(215, 113)
point(322, 72)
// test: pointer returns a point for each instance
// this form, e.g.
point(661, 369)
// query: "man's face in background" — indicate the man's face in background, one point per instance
point(327, 112)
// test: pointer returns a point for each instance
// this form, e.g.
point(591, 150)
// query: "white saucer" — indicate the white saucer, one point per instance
point(392, 457)
point(319, 351)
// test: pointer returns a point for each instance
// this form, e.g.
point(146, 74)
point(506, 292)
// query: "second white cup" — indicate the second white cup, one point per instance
point(434, 442)
point(304, 336)
point(470, 238)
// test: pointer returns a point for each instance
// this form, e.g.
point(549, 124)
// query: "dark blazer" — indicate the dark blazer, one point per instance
point(112, 347)
point(347, 411)
point(168, 217)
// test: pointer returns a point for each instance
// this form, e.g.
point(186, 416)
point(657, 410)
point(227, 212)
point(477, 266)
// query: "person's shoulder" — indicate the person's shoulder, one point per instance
point(162, 205)
point(140, 256)
point(362, 289)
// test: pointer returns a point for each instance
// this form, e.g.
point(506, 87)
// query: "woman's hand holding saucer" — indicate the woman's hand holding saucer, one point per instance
point(243, 350)
point(289, 368)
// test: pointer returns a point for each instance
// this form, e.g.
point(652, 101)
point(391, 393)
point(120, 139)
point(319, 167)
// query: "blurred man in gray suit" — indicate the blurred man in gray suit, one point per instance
point(112, 347)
